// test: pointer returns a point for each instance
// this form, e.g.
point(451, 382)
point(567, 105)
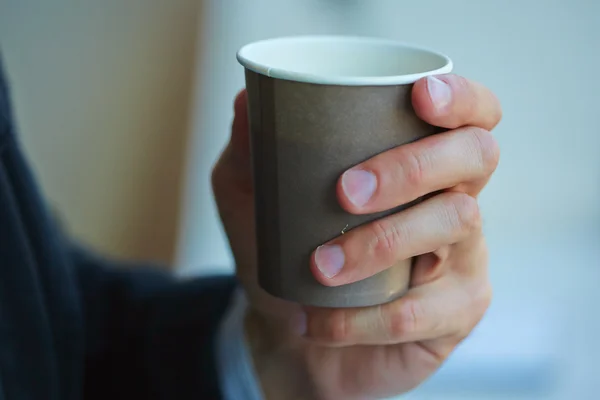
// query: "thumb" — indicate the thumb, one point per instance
point(233, 170)
point(240, 135)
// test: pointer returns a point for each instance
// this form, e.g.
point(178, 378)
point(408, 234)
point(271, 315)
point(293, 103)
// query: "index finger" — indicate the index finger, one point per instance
point(451, 101)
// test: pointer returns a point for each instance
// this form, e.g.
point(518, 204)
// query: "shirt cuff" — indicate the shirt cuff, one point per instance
point(237, 377)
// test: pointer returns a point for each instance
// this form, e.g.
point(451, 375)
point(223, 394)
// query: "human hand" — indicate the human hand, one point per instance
point(379, 351)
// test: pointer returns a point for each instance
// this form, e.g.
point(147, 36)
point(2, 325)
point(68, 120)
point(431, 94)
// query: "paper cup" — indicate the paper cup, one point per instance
point(317, 106)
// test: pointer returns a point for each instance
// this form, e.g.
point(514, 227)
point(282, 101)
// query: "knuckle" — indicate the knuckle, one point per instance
point(483, 299)
point(412, 168)
point(486, 148)
point(463, 213)
point(386, 236)
point(480, 302)
point(406, 319)
point(337, 331)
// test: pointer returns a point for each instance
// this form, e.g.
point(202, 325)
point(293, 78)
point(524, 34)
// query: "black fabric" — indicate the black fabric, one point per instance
point(76, 326)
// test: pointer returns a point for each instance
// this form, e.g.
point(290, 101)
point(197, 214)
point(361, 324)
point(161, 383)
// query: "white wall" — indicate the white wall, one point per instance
point(101, 92)
point(542, 208)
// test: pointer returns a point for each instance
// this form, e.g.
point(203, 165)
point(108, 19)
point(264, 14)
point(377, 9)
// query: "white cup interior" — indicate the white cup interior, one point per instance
point(342, 60)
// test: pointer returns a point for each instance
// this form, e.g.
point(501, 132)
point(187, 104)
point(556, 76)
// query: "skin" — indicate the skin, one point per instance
point(381, 351)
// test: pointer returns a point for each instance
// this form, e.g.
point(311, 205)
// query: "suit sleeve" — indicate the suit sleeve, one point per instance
point(68, 316)
point(147, 334)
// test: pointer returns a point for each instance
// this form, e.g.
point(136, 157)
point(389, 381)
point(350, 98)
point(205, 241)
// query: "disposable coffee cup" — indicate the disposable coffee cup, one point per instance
point(317, 106)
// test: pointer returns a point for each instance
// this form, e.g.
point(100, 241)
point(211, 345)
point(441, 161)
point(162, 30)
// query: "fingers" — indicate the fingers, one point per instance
point(438, 309)
point(408, 172)
point(451, 101)
point(443, 219)
point(467, 155)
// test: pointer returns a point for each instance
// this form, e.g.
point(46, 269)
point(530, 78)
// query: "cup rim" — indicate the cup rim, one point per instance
point(245, 59)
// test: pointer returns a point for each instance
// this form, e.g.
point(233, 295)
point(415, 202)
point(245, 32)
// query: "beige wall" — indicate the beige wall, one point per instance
point(102, 94)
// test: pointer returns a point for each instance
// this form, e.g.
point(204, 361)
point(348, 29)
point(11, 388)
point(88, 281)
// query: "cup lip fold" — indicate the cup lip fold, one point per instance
point(245, 56)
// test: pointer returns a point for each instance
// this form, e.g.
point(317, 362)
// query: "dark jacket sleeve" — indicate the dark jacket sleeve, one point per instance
point(148, 335)
point(77, 326)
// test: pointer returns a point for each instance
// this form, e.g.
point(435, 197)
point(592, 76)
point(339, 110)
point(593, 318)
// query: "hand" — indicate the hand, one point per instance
point(375, 352)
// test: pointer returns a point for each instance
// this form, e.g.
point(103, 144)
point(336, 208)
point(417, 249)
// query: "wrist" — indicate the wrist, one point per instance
point(279, 359)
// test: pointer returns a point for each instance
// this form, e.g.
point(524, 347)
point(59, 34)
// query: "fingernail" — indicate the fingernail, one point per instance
point(298, 324)
point(329, 259)
point(359, 185)
point(440, 92)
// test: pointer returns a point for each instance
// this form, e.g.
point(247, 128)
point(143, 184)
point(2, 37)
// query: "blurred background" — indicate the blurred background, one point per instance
point(124, 105)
